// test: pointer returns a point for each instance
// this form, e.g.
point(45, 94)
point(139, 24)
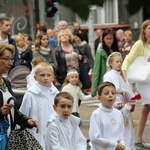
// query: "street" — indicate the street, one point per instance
point(87, 108)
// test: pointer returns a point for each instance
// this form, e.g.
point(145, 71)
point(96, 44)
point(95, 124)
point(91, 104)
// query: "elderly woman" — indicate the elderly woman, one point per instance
point(6, 60)
point(66, 54)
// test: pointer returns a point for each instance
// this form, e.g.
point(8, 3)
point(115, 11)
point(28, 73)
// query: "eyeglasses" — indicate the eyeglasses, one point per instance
point(7, 59)
point(109, 39)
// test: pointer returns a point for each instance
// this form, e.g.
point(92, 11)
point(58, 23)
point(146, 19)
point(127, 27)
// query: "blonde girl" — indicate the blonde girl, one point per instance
point(72, 85)
point(124, 93)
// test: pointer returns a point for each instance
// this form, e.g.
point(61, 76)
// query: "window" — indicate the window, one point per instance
point(108, 14)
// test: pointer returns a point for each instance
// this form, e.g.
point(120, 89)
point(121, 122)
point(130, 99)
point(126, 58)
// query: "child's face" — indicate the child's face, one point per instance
point(64, 108)
point(116, 63)
point(73, 79)
point(44, 77)
point(108, 96)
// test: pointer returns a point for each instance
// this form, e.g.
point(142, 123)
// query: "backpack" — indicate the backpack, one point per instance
point(18, 75)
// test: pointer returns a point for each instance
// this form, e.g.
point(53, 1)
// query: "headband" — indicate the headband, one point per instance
point(72, 72)
point(111, 55)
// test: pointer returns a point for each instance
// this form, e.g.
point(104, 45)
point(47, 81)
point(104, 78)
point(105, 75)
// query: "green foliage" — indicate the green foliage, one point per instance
point(135, 5)
point(81, 7)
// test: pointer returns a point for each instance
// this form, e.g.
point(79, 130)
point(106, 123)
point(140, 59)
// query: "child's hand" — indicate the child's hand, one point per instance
point(120, 105)
point(120, 147)
point(124, 96)
point(124, 73)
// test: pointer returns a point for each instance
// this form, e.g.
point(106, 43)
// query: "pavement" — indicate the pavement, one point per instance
point(87, 107)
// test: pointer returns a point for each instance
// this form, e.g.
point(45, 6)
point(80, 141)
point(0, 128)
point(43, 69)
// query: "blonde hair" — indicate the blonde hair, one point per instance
point(5, 46)
point(70, 72)
point(128, 32)
point(69, 33)
point(110, 59)
point(18, 37)
point(143, 27)
point(43, 65)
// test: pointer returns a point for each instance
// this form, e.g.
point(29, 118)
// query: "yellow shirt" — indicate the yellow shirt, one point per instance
point(136, 50)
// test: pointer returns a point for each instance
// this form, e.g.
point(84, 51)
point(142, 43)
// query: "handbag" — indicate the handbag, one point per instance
point(21, 139)
point(139, 70)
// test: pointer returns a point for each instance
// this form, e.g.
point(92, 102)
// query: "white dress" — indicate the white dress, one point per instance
point(114, 77)
point(106, 128)
point(77, 94)
point(144, 88)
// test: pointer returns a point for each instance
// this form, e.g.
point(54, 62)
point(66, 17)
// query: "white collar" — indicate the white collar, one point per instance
point(4, 40)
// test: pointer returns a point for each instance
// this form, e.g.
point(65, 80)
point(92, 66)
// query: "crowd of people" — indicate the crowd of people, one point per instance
point(60, 63)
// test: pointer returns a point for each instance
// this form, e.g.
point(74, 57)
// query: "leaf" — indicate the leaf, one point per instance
point(81, 7)
point(134, 6)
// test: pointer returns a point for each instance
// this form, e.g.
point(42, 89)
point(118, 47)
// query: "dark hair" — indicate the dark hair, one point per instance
point(42, 28)
point(62, 95)
point(115, 43)
point(37, 42)
point(79, 35)
point(104, 84)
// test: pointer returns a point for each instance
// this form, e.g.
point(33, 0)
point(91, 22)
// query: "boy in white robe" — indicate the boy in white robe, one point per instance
point(63, 132)
point(39, 99)
point(106, 123)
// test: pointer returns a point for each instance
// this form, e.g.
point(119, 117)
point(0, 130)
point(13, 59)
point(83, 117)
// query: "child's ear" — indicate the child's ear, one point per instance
point(99, 98)
point(35, 77)
point(54, 106)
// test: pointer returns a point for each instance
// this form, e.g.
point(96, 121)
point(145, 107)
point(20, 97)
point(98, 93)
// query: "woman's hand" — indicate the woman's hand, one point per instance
point(148, 59)
point(34, 123)
point(6, 109)
point(80, 57)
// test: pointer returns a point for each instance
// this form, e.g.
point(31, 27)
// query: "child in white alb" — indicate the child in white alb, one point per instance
point(39, 99)
point(106, 123)
point(63, 132)
point(123, 95)
point(30, 78)
point(72, 85)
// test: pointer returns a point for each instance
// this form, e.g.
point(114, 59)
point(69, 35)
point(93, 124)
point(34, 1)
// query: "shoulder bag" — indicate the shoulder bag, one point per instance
point(21, 139)
point(139, 70)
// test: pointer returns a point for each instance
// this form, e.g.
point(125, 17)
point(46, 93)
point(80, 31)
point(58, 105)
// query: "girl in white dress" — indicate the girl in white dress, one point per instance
point(72, 85)
point(124, 93)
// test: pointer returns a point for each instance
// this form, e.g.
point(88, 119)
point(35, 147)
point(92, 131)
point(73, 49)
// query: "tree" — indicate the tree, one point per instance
point(82, 7)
